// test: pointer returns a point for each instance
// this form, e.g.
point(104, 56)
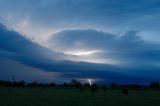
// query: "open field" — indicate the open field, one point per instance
point(73, 97)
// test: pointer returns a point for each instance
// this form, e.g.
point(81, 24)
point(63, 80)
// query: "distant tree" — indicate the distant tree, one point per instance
point(128, 86)
point(52, 84)
point(8, 84)
point(113, 85)
point(65, 84)
point(2, 83)
point(86, 85)
point(33, 84)
point(5, 83)
point(155, 85)
point(14, 84)
point(22, 83)
point(94, 89)
point(136, 87)
point(78, 85)
point(42, 85)
point(75, 83)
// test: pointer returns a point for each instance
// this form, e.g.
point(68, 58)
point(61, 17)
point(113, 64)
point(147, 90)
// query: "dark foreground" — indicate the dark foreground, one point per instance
point(73, 97)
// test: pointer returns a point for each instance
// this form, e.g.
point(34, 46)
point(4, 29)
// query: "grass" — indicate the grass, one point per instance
point(73, 97)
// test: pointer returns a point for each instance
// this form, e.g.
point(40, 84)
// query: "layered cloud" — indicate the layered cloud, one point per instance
point(21, 55)
point(101, 39)
point(127, 49)
point(16, 51)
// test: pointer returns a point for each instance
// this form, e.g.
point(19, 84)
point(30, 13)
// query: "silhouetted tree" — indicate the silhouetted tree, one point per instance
point(5, 83)
point(94, 89)
point(75, 83)
point(22, 83)
point(86, 85)
point(127, 86)
point(113, 85)
point(33, 84)
point(52, 84)
point(155, 85)
point(136, 87)
point(65, 84)
point(78, 85)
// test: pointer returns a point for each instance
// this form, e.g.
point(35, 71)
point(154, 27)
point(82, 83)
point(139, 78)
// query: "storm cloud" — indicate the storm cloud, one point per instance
point(39, 19)
point(109, 40)
point(129, 48)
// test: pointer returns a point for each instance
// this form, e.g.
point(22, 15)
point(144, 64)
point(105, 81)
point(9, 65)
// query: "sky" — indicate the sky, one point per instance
point(59, 40)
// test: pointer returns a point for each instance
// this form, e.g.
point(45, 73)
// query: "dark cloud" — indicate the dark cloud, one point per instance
point(135, 57)
point(32, 65)
point(16, 51)
point(9, 68)
point(110, 15)
point(12, 42)
point(129, 48)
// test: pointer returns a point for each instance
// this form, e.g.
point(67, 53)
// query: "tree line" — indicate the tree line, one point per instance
point(76, 84)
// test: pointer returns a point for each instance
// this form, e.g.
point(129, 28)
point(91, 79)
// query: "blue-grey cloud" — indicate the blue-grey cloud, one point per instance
point(15, 44)
point(16, 51)
point(28, 58)
point(127, 48)
point(36, 19)
point(134, 56)
point(107, 15)
point(10, 67)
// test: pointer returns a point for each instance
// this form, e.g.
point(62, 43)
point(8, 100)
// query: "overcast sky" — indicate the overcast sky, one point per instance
point(58, 40)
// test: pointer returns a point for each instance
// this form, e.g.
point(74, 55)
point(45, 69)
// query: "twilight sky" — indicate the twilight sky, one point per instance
point(58, 40)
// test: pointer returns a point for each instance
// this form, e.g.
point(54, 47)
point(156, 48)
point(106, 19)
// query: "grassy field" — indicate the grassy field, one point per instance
point(73, 97)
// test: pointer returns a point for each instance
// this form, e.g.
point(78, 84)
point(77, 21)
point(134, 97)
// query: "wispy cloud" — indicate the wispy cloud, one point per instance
point(38, 19)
